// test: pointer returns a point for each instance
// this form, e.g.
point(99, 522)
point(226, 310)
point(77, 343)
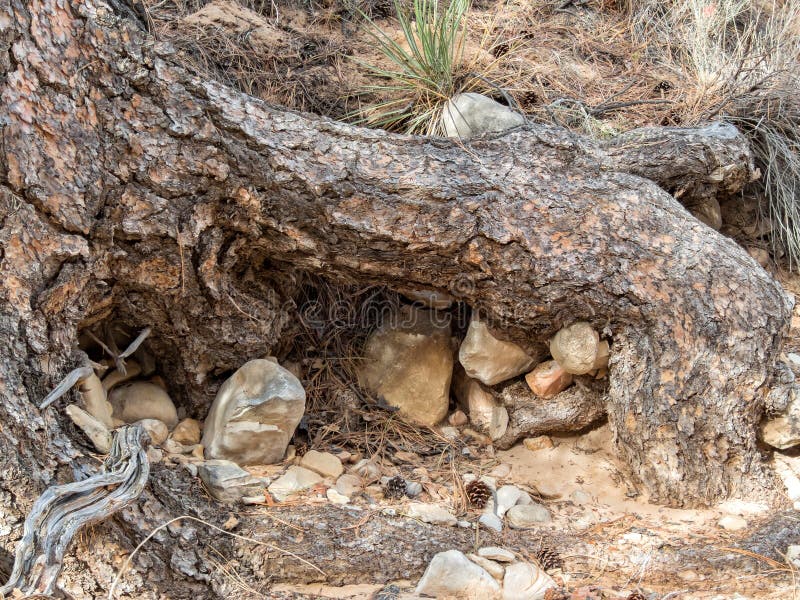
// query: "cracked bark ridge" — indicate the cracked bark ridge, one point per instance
point(131, 188)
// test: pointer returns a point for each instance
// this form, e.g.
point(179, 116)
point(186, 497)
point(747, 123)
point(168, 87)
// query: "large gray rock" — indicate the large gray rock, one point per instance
point(409, 363)
point(490, 360)
point(470, 114)
point(452, 575)
point(254, 414)
point(227, 481)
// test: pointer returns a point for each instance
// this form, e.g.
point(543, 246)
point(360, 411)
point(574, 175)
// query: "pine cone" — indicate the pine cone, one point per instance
point(300, 448)
point(549, 558)
point(395, 487)
point(636, 596)
point(478, 493)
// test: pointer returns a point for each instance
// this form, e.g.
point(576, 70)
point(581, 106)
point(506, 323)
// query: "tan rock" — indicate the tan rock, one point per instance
point(157, 430)
point(324, 463)
point(254, 414)
point(548, 379)
point(526, 581)
point(409, 364)
point(494, 569)
point(143, 400)
point(486, 413)
point(488, 359)
point(541, 442)
point(94, 429)
point(296, 479)
point(187, 432)
point(576, 347)
point(458, 418)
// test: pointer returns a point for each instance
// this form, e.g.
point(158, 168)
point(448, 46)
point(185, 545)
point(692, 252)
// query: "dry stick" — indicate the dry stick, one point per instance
point(215, 528)
point(66, 384)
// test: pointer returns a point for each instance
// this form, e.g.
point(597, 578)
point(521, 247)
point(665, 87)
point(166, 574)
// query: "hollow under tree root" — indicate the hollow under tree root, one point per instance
point(63, 509)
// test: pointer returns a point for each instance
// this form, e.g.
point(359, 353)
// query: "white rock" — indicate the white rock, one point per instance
point(157, 430)
point(580, 497)
point(471, 114)
point(451, 433)
point(173, 447)
point(494, 569)
point(524, 516)
point(793, 554)
point(452, 575)
point(367, 470)
point(348, 484)
point(501, 471)
point(497, 553)
point(413, 488)
point(524, 581)
point(254, 414)
point(486, 413)
point(783, 432)
point(508, 496)
point(187, 432)
point(576, 348)
point(97, 433)
point(227, 481)
point(430, 513)
point(324, 463)
point(788, 470)
point(488, 359)
point(409, 363)
point(335, 497)
point(143, 400)
point(732, 523)
point(296, 479)
point(491, 521)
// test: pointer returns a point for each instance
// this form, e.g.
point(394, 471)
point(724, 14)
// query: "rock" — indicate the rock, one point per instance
point(228, 482)
point(254, 414)
point(580, 497)
point(488, 359)
point(409, 363)
point(788, 469)
point(576, 348)
point(367, 470)
point(413, 488)
point(501, 471)
point(450, 433)
point(143, 400)
point(525, 581)
point(157, 430)
point(173, 447)
point(452, 575)
point(548, 379)
point(296, 479)
point(335, 497)
point(542, 442)
point(793, 554)
point(458, 418)
point(783, 431)
point(595, 440)
point(430, 513)
point(324, 463)
point(508, 496)
point(494, 569)
point(154, 455)
point(484, 411)
point(497, 553)
point(732, 523)
point(471, 114)
point(191, 469)
point(491, 521)
point(348, 484)
point(524, 516)
point(187, 432)
point(97, 433)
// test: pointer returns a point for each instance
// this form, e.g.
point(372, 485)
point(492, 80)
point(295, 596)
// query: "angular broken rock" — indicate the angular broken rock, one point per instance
point(525, 516)
point(525, 581)
point(578, 350)
point(324, 463)
point(143, 400)
point(227, 481)
point(254, 414)
point(187, 432)
point(94, 429)
point(470, 114)
point(485, 412)
point(409, 363)
point(430, 513)
point(296, 479)
point(452, 575)
point(488, 359)
point(157, 430)
point(548, 379)
point(783, 431)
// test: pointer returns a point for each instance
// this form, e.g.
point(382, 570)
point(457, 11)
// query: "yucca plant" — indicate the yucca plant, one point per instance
point(424, 75)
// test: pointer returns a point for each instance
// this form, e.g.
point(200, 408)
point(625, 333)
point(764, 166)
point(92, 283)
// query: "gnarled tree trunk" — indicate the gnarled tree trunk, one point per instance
point(134, 189)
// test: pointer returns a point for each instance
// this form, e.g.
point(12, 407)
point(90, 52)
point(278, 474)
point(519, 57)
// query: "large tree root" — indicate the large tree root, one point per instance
point(63, 509)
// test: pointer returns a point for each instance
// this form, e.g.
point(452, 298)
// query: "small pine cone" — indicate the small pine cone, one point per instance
point(636, 596)
point(395, 487)
point(300, 448)
point(478, 493)
point(549, 558)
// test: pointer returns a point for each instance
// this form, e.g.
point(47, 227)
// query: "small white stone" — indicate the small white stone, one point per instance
point(157, 430)
point(526, 516)
point(793, 554)
point(430, 513)
point(348, 484)
point(413, 489)
point(296, 479)
point(324, 463)
point(524, 581)
point(732, 523)
point(452, 575)
point(451, 433)
point(335, 497)
point(501, 471)
point(497, 553)
point(367, 470)
point(494, 569)
point(491, 521)
point(580, 497)
point(508, 496)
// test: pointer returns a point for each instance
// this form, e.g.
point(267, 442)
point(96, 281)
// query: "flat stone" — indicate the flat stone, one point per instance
point(335, 497)
point(324, 463)
point(349, 484)
point(541, 442)
point(508, 496)
point(525, 516)
point(485, 411)
point(491, 521)
point(409, 363)
point(525, 581)
point(452, 575)
point(143, 400)
point(494, 569)
point(157, 430)
point(187, 432)
point(254, 414)
point(94, 429)
point(228, 482)
point(296, 479)
point(732, 523)
point(488, 359)
point(497, 553)
point(430, 513)
point(548, 379)
point(471, 114)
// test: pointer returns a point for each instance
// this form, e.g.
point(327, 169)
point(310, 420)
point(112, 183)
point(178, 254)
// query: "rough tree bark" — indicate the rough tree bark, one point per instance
point(132, 189)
